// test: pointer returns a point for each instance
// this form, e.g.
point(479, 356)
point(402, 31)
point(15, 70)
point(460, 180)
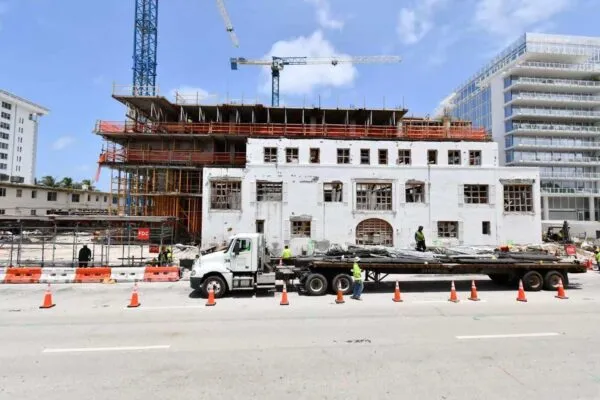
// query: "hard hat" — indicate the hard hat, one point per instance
point(356, 259)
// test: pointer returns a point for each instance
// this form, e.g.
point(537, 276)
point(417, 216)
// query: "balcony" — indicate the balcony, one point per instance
point(555, 113)
point(570, 191)
point(563, 99)
point(553, 84)
point(566, 144)
point(525, 128)
point(551, 69)
point(548, 161)
point(568, 176)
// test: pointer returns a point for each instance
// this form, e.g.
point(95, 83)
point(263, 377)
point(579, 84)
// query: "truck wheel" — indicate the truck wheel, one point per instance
point(342, 281)
point(552, 278)
point(316, 285)
point(533, 281)
point(218, 285)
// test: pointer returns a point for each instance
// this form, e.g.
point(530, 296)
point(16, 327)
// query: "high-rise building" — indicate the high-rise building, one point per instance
point(19, 120)
point(540, 100)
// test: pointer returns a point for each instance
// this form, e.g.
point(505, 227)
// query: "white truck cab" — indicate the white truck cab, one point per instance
point(243, 265)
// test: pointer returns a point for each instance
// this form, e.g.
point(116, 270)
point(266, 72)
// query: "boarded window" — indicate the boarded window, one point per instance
point(343, 156)
point(403, 157)
point(486, 228)
point(447, 229)
point(474, 157)
point(518, 198)
point(291, 155)
point(476, 194)
point(269, 191)
point(383, 157)
point(270, 154)
point(315, 156)
point(374, 196)
point(226, 195)
point(260, 226)
point(365, 156)
point(374, 232)
point(75, 198)
point(454, 157)
point(415, 192)
point(332, 192)
point(52, 196)
point(432, 157)
point(300, 229)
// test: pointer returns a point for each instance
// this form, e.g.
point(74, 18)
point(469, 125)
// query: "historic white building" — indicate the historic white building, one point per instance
point(308, 192)
point(18, 138)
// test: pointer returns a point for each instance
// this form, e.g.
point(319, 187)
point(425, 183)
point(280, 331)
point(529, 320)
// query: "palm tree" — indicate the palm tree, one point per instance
point(48, 180)
point(88, 183)
point(66, 182)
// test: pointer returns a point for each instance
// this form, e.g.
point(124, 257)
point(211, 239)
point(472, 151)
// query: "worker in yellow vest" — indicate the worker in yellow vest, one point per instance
point(357, 288)
point(286, 255)
point(420, 239)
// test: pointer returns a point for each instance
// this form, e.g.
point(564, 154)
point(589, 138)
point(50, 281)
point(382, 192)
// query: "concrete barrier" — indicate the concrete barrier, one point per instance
point(127, 274)
point(58, 275)
point(92, 275)
point(88, 275)
point(23, 275)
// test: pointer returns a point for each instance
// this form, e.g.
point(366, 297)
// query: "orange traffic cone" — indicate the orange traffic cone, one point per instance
point(521, 295)
point(453, 297)
point(561, 291)
point(48, 299)
point(134, 302)
point(340, 296)
point(474, 292)
point(397, 298)
point(284, 298)
point(211, 297)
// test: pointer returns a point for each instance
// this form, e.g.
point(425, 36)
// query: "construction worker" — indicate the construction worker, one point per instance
point(164, 257)
point(85, 255)
point(286, 255)
point(420, 239)
point(357, 288)
point(597, 257)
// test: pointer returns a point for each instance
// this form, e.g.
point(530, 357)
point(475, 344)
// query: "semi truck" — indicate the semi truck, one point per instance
point(246, 265)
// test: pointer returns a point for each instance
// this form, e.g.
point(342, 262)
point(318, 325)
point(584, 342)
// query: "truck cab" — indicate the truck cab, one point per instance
point(242, 265)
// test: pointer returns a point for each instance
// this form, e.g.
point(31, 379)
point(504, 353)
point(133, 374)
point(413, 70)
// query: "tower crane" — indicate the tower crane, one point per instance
point(277, 64)
point(145, 44)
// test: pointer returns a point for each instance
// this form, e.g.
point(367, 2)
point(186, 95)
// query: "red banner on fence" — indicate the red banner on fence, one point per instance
point(143, 234)
point(154, 248)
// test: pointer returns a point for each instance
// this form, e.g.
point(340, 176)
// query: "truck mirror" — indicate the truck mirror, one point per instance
point(236, 247)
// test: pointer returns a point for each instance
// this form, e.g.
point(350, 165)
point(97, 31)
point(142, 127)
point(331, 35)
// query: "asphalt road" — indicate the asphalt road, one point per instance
point(173, 347)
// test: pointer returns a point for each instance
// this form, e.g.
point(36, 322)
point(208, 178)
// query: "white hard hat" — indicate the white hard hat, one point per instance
point(356, 259)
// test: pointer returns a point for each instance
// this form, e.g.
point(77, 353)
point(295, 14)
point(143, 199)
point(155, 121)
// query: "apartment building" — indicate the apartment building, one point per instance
point(540, 100)
point(19, 120)
point(307, 192)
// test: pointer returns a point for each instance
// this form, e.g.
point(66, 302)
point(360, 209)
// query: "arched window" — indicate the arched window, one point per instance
point(374, 232)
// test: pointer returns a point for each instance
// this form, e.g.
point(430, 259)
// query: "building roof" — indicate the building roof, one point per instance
point(26, 103)
point(50, 189)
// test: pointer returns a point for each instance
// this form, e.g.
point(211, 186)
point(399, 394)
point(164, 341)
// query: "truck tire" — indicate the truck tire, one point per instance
point(533, 281)
point(316, 285)
point(218, 284)
point(342, 281)
point(552, 278)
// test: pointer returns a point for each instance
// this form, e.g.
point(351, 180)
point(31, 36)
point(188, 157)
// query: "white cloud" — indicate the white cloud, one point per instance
point(62, 142)
point(510, 18)
point(324, 17)
point(303, 79)
point(416, 22)
point(190, 94)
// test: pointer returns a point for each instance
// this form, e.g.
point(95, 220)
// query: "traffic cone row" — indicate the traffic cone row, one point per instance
point(453, 296)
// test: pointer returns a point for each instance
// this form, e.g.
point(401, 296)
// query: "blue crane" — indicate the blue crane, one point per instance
point(145, 44)
point(277, 64)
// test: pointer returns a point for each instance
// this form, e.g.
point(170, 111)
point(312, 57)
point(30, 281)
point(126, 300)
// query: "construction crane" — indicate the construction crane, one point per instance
point(277, 64)
point(146, 40)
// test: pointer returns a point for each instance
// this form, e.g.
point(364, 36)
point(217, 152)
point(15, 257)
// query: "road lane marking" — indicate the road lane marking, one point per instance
point(509, 336)
point(97, 349)
point(442, 301)
point(168, 307)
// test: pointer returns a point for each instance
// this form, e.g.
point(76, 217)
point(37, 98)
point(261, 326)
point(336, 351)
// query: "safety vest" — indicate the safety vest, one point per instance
point(287, 253)
point(420, 236)
point(356, 272)
point(598, 257)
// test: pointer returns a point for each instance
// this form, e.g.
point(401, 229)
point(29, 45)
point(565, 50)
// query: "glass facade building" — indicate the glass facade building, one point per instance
point(540, 100)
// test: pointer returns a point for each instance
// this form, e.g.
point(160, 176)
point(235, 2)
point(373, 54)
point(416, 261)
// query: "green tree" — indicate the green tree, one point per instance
point(88, 183)
point(49, 181)
point(66, 182)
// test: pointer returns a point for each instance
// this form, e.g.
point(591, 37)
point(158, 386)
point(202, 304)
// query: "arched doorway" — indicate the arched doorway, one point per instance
point(374, 232)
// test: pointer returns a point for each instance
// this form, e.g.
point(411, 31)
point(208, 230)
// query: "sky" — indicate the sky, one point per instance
point(67, 55)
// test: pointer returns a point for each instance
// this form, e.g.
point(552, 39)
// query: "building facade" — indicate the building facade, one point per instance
point(317, 192)
point(19, 120)
point(540, 100)
point(35, 200)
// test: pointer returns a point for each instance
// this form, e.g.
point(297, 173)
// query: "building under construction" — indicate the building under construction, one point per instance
point(157, 157)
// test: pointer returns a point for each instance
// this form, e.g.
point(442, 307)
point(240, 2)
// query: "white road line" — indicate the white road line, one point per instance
point(444, 301)
point(93, 349)
point(167, 307)
point(514, 335)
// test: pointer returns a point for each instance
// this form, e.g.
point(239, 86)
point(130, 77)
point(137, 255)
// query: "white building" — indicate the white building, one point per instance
point(19, 120)
point(27, 200)
point(540, 100)
point(310, 192)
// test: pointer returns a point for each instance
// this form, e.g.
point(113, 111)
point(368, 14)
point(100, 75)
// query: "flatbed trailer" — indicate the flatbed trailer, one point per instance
point(317, 277)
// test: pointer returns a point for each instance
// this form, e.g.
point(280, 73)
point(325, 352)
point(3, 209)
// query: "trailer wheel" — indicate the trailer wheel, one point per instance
point(316, 285)
point(533, 281)
point(342, 281)
point(552, 278)
point(218, 285)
